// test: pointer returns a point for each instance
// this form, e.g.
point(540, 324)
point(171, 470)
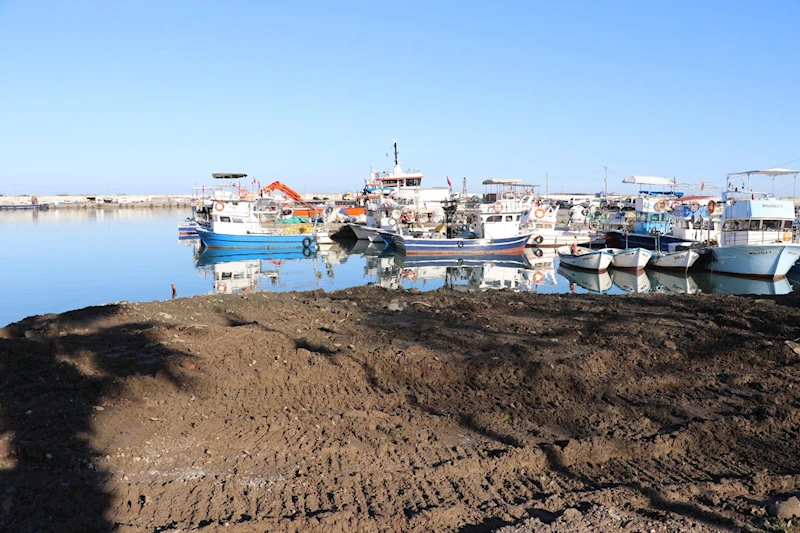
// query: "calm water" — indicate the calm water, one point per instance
point(59, 260)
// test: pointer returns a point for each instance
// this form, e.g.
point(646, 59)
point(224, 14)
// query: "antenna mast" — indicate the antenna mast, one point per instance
point(395, 152)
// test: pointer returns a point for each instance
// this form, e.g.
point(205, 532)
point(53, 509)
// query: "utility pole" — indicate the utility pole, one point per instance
point(605, 189)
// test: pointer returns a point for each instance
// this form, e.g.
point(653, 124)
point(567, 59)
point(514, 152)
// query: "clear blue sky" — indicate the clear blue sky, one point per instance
point(153, 96)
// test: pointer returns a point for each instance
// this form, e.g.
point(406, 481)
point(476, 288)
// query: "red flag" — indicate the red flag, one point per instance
point(254, 180)
point(674, 180)
point(448, 181)
point(702, 185)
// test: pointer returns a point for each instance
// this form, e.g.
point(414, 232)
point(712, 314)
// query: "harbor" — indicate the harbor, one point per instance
point(414, 267)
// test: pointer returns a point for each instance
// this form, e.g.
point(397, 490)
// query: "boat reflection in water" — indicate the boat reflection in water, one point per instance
point(631, 282)
point(242, 271)
point(473, 272)
point(715, 283)
point(592, 281)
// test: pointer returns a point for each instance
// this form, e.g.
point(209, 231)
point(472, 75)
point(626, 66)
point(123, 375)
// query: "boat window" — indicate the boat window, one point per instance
point(772, 225)
point(655, 217)
point(787, 224)
point(224, 219)
point(509, 218)
point(755, 224)
point(494, 218)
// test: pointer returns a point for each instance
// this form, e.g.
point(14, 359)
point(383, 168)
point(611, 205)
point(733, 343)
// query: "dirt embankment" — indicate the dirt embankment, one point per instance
point(369, 410)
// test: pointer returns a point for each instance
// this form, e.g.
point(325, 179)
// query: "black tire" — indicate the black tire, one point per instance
point(307, 242)
point(538, 239)
point(538, 252)
point(460, 244)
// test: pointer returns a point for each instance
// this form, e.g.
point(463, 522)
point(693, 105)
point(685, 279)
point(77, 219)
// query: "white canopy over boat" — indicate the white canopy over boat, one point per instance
point(648, 180)
point(767, 172)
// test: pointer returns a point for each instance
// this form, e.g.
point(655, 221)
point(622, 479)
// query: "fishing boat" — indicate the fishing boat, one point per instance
point(258, 221)
point(547, 233)
point(585, 258)
point(632, 258)
point(674, 260)
point(652, 226)
point(485, 229)
point(395, 197)
point(756, 236)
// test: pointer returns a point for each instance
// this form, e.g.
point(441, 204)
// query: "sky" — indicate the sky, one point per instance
point(151, 97)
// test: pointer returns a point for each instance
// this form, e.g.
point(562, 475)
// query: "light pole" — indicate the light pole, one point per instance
point(605, 189)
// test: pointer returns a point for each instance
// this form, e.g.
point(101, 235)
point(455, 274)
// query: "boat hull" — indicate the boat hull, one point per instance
point(680, 260)
point(366, 233)
point(596, 260)
point(631, 259)
point(642, 240)
point(504, 246)
point(211, 239)
point(758, 260)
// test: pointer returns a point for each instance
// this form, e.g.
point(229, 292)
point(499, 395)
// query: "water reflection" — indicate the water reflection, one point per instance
point(597, 282)
point(631, 282)
point(672, 282)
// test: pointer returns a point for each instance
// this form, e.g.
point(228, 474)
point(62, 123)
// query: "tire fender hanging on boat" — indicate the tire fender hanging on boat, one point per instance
point(306, 242)
point(460, 244)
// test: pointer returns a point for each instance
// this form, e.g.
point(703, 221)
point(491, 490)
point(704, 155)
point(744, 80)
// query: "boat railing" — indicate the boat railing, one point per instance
point(743, 238)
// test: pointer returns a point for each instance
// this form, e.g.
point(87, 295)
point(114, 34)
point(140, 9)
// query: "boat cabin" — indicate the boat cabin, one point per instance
point(755, 218)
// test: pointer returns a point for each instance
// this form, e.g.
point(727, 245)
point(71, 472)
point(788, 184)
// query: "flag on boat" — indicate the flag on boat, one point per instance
point(387, 154)
point(448, 181)
point(674, 180)
point(702, 185)
point(254, 180)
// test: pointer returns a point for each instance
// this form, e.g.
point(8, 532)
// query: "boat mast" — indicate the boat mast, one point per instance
point(395, 152)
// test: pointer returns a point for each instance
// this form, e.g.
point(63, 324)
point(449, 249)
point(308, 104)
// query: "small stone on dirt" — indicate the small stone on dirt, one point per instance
point(188, 364)
point(785, 509)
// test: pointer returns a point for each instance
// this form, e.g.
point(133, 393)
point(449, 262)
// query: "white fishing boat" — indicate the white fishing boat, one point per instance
point(547, 233)
point(633, 258)
point(674, 260)
point(585, 258)
point(394, 199)
point(756, 236)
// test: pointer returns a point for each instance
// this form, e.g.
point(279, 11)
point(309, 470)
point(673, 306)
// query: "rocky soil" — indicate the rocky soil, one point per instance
point(370, 410)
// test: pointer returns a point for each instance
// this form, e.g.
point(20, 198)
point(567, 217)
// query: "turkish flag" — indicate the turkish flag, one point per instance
point(448, 181)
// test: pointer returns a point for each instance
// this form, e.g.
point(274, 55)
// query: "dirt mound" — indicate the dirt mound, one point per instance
point(370, 410)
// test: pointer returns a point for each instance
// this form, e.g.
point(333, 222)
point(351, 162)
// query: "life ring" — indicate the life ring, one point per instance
point(661, 205)
point(498, 207)
point(306, 242)
point(694, 207)
point(538, 277)
point(585, 212)
point(222, 287)
point(712, 206)
point(219, 206)
point(306, 252)
point(539, 213)
point(460, 244)
point(538, 252)
point(675, 204)
point(538, 239)
point(396, 214)
point(411, 275)
point(411, 215)
point(242, 193)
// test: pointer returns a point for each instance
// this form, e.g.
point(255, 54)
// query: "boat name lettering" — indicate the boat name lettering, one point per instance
point(765, 252)
point(771, 205)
